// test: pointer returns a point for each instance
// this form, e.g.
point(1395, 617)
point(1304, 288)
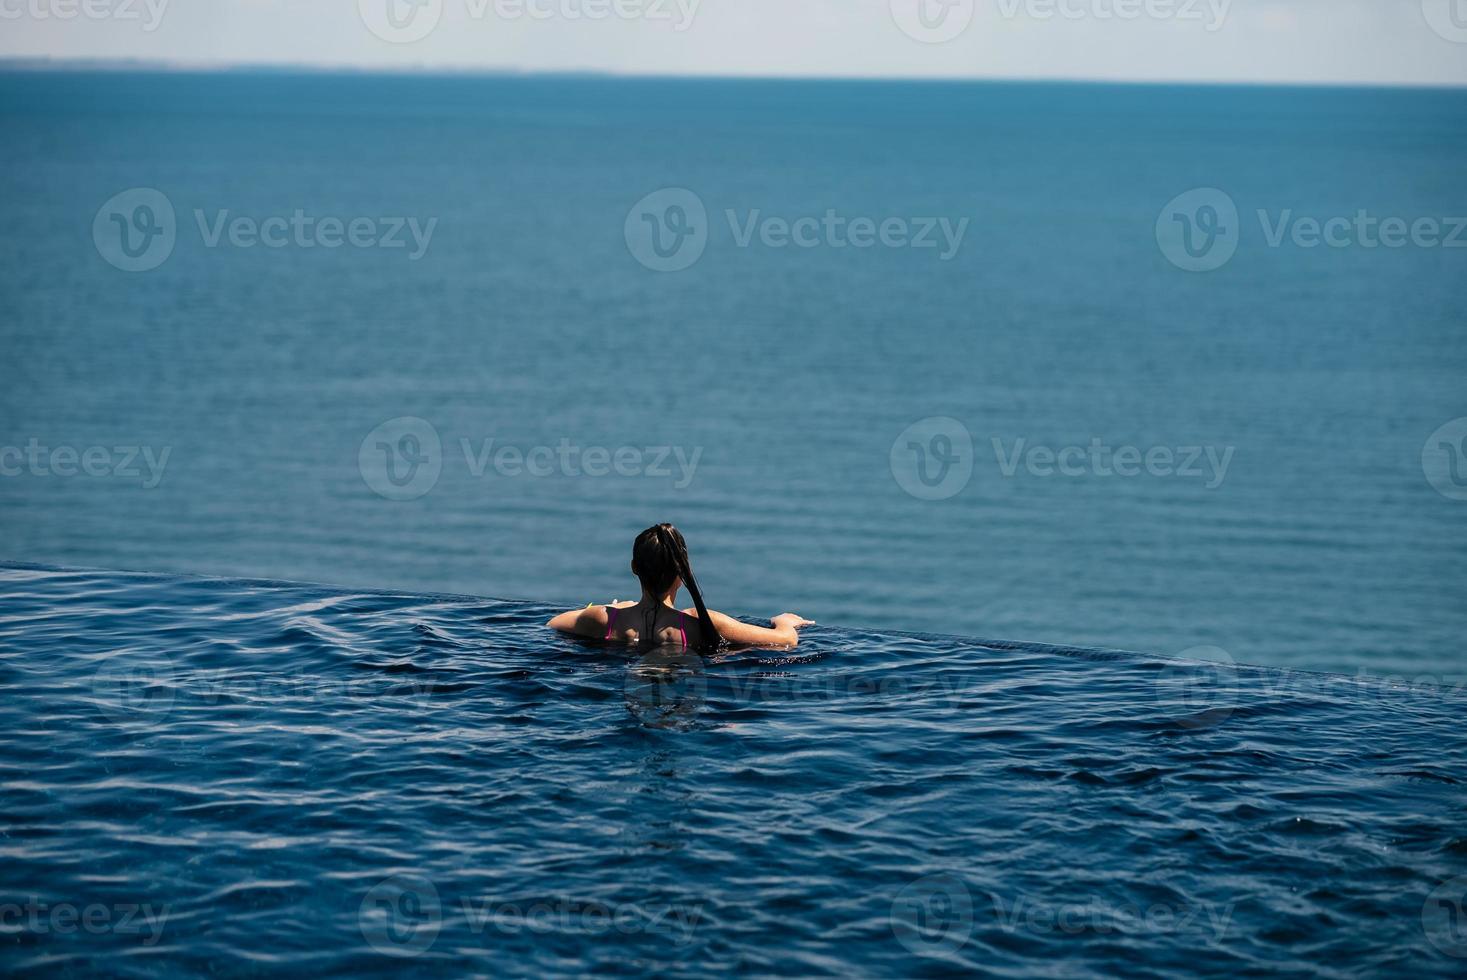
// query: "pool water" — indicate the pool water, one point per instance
point(234, 777)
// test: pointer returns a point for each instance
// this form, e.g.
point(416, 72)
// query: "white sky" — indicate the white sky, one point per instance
point(1345, 41)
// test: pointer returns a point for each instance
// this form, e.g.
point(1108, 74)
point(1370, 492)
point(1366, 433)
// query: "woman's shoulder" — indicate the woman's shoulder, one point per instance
point(601, 614)
point(692, 613)
point(588, 620)
point(604, 611)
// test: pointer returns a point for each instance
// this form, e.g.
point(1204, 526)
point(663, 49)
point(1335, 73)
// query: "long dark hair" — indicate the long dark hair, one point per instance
point(660, 555)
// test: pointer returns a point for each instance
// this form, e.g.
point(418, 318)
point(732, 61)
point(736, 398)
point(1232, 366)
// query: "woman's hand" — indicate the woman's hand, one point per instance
point(791, 620)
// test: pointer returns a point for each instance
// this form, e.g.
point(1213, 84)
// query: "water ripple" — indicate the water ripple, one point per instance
point(251, 778)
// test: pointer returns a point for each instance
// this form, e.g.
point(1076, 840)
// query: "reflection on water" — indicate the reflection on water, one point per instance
point(666, 687)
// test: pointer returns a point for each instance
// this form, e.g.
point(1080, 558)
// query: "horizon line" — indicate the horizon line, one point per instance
point(43, 63)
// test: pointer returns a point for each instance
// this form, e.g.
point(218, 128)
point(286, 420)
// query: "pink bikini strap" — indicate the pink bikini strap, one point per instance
point(682, 624)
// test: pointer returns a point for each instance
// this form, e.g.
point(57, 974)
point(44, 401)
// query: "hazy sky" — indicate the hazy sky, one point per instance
point(1389, 41)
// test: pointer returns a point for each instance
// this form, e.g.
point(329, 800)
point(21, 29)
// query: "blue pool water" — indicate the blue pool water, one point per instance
point(236, 777)
point(262, 372)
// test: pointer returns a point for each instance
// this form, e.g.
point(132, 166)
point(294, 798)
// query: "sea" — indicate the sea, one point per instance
point(1115, 436)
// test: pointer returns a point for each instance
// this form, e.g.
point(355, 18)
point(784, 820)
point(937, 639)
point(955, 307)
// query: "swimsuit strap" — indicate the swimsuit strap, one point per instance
point(682, 624)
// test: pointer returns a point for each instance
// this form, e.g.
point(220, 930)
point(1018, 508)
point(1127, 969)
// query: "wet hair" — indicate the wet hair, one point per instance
point(660, 555)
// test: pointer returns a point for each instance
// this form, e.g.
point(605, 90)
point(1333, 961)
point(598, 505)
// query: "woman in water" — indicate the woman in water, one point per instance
point(660, 562)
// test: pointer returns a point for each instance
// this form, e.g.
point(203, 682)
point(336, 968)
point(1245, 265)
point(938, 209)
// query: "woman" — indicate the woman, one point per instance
point(660, 562)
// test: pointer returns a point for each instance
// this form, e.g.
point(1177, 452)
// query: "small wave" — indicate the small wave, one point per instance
point(305, 778)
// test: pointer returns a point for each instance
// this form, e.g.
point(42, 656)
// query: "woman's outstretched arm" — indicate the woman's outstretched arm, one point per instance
point(784, 632)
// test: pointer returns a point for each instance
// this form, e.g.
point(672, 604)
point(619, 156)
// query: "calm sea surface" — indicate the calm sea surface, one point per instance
point(209, 776)
point(1278, 509)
